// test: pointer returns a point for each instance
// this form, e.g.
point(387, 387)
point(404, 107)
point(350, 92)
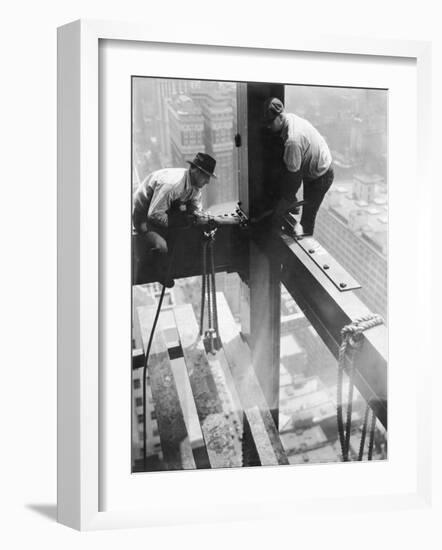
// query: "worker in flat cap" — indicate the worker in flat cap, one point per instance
point(305, 159)
point(163, 197)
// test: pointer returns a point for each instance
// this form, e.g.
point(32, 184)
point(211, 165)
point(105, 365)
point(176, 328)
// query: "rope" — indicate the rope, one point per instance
point(349, 411)
point(341, 431)
point(351, 338)
point(364, 433)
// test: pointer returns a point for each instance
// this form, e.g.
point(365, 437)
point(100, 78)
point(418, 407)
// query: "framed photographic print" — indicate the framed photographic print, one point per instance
point(231, 315)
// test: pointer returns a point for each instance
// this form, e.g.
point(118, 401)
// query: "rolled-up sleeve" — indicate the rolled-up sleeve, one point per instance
point(164, 197)
point(141, 202)
point(292, 156)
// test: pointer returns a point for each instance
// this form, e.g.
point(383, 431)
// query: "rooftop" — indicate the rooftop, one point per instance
point(373, 217)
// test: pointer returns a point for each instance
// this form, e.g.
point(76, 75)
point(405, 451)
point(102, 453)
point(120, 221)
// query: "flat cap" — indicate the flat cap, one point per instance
point(272, 108)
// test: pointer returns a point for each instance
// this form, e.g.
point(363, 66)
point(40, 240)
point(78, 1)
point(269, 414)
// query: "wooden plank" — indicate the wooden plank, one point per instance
point(217, 413)
point(239, 358)
point(177, 451)
point(261, 437)
point(188, 406)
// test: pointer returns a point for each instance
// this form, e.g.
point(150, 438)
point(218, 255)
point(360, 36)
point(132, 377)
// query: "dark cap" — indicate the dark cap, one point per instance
point(272, 108)
point(205, 163)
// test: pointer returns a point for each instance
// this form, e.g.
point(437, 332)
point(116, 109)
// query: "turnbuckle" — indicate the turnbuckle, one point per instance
point(210, 235)
point(212, 342)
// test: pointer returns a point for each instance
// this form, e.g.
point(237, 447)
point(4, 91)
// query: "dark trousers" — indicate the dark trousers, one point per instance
point(150, 253)
point(314, 193)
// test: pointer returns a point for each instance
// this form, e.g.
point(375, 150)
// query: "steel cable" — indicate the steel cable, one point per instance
point(149, 345)
point(364, 433)
point(351, 338)
point(372, 431)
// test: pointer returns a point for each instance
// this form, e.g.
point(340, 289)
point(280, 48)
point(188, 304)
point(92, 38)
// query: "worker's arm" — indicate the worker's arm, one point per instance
point(159, 218)
point(195, 206)
point(292, 156)
point(166, 198)
point(196, 212)
point(141, 203)
point(290, 184)
point(290, 179)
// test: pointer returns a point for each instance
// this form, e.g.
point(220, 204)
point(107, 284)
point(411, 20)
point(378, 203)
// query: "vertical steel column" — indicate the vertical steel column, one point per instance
point(264, 281)
point(265, 324)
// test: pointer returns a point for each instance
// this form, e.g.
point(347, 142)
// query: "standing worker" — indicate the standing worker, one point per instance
point(305, 159)
point(158, 196)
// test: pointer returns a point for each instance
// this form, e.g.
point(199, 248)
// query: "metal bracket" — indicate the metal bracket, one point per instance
point(342, 280)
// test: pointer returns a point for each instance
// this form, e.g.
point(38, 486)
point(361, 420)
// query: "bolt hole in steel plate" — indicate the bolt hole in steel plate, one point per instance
point(342, 280)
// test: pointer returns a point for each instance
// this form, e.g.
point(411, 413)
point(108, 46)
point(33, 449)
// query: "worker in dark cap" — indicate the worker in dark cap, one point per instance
point(161, 198)
point(305, 159)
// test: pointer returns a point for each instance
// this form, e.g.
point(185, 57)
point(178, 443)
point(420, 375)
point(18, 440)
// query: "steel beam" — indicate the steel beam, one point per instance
point(329, 309)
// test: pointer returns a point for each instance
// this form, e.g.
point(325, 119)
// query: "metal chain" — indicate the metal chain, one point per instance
point(351, 338)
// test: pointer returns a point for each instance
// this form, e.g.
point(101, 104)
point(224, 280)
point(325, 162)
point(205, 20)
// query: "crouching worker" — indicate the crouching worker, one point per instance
point(164, 197)
point(305, 159)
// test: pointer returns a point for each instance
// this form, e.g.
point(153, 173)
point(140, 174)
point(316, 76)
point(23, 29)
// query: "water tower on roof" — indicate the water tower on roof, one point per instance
point(364, 188)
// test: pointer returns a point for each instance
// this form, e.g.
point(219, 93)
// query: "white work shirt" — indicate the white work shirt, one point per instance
point(304, 148)
point(168, 185)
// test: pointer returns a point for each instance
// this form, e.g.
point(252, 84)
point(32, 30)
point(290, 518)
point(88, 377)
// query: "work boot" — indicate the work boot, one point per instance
point(164, 278)
point(168, 282)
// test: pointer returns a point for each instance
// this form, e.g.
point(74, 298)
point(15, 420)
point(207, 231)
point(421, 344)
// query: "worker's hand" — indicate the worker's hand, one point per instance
point(204, 220)
point(143, 228)
point(200, 221)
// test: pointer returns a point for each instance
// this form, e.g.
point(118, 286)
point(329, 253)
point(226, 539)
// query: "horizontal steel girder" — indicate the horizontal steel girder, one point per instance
point(328, 309)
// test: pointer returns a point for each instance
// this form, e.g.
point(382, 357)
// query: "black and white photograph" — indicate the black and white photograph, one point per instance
point(259, 227)
point(230, 307)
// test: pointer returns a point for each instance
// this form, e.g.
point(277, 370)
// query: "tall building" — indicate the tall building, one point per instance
point(218, 140)
point(166, 89)
point(202, 119)
point(353, 122)
point(352, 222)
point(146, 149)
point(352, 225)
point(153, 444)
point(186, 129)
point(145, 295)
